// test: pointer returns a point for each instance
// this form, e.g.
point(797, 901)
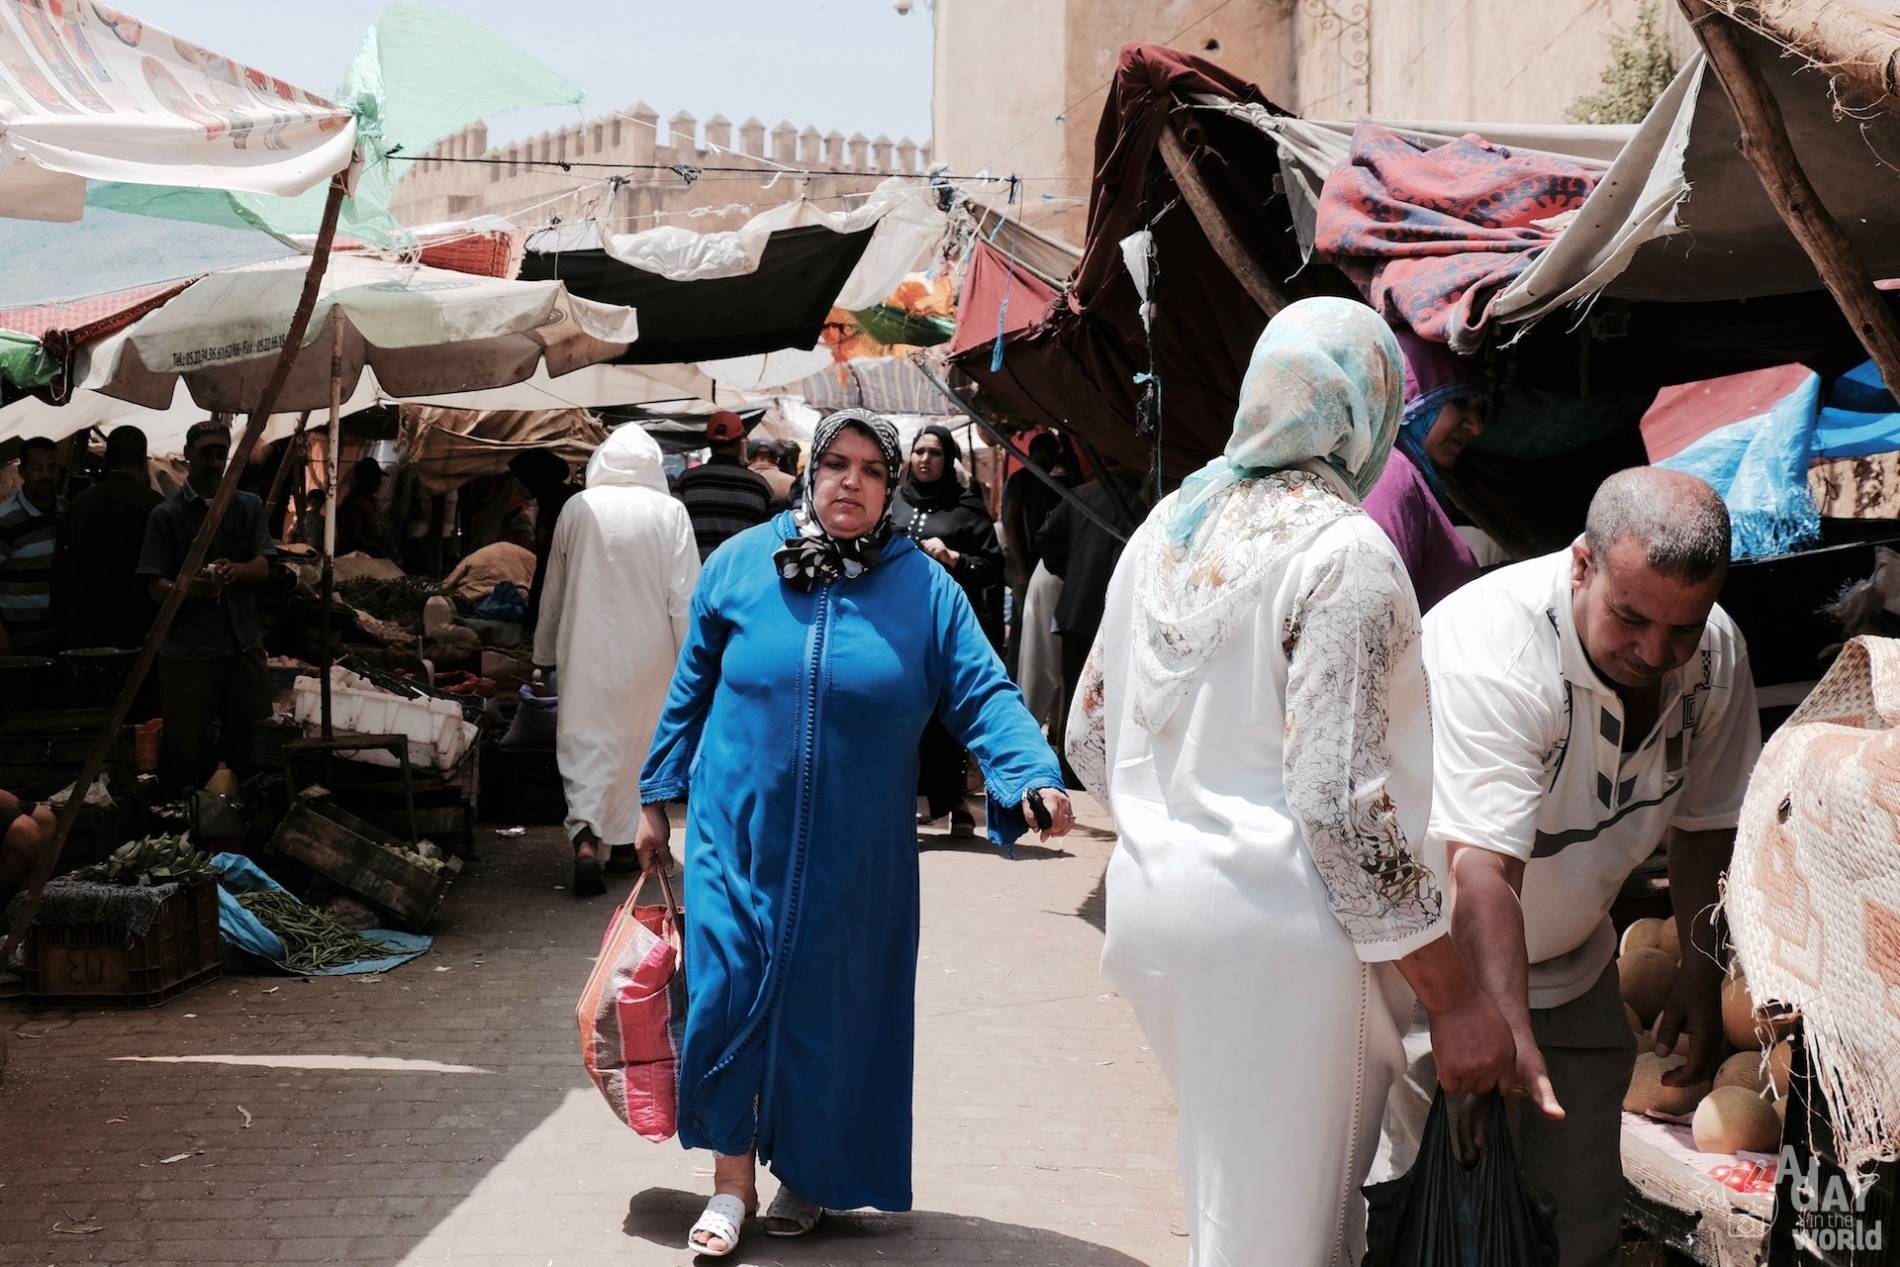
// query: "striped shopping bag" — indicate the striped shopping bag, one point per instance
point(633, 1014)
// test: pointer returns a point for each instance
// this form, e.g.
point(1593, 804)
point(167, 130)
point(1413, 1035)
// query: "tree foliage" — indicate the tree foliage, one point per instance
point(1641, 67)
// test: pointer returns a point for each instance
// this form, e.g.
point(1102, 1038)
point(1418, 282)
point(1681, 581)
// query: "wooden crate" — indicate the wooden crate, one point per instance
point(329, 841)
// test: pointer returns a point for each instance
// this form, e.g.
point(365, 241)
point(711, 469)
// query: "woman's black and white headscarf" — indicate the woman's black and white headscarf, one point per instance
point(814, 556)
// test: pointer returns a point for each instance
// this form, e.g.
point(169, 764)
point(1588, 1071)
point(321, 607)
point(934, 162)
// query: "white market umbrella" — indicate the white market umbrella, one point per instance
point(590, 387)
point(422, 331)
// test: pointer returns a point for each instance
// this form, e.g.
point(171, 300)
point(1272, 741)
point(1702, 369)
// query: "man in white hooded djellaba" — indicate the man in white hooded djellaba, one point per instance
point(613, 612)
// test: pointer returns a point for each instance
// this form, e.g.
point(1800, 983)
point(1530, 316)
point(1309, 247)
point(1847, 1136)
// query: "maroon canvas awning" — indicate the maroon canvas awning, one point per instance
point(1076, 369)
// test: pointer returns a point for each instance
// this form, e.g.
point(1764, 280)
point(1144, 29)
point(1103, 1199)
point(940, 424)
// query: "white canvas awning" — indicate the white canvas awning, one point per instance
point(89, 93)
point(902, 215)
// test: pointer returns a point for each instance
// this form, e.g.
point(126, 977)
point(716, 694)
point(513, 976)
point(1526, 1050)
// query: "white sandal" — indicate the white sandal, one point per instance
point(722, 1219)
point(789, 1207)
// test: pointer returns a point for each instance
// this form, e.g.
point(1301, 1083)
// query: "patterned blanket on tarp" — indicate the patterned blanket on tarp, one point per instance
point(1813, 892)
point(1431, 236)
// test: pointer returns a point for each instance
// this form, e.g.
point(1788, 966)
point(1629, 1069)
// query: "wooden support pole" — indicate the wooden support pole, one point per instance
point(1194, 191)
point(1764, 142)
point(1860, 57)
point(331, 460)
point(194, 561)
point(280, 482)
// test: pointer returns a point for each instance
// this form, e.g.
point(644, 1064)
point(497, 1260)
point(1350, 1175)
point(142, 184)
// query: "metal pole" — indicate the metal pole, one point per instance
point(194, 561)
point(331, 464)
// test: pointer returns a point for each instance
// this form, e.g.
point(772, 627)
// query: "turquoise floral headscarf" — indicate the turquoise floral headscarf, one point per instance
point(1323, 393)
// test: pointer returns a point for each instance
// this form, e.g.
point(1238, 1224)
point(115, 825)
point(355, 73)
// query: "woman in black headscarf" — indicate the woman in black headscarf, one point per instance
point(949, 522)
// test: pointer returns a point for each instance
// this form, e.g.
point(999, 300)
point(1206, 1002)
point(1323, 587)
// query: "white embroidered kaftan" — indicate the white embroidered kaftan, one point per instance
point(613, 614)
point(1268, 766)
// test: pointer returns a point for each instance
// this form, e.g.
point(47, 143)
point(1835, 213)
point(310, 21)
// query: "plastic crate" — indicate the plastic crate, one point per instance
point(93, 965)
point(438, 733)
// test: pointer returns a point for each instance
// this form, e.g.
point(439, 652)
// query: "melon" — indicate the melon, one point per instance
point(1743, 1069)
point(1648, 1094)
point(1644, 976)
point(1652, 934)
point(1735, 1120)
point(1780, 1064)
point(1738, 1014)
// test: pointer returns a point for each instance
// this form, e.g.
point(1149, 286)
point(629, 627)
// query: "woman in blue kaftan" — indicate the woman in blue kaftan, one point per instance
point(819, 646)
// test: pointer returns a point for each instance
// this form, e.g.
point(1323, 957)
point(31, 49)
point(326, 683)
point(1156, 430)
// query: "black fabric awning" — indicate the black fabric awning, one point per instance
point(781, 304)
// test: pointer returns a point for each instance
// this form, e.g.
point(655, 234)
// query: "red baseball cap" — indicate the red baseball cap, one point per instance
point(725, 426)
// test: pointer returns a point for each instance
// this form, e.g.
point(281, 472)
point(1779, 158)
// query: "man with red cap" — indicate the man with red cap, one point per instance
point(722, 496)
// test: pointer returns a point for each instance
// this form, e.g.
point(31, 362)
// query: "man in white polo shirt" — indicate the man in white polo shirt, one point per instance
point(1588, 707)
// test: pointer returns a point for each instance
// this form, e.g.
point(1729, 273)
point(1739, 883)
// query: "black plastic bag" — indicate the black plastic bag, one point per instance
point(1442, 1213)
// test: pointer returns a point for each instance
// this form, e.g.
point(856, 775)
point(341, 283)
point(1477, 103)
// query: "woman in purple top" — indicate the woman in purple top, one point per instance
point(1444, 412)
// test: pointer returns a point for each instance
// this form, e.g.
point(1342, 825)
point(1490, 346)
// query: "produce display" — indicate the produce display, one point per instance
point(1733, 1112)
point(313, 939)
point(168, 859)
point(399, 600)
point(416, 858)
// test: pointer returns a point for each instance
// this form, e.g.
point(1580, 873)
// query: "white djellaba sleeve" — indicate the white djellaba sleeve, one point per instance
point(1352, 644)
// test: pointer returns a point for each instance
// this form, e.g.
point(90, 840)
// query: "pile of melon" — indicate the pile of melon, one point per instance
point(1734, 1112)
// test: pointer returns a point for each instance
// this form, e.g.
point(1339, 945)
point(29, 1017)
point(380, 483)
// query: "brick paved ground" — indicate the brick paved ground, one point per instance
point(458, 1128)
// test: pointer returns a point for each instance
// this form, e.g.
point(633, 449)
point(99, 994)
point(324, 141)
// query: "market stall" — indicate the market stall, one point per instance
point(300, 331)
point(1582, 269)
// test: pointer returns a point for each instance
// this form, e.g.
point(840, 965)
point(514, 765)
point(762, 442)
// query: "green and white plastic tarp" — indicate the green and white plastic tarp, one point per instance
point(422, 73)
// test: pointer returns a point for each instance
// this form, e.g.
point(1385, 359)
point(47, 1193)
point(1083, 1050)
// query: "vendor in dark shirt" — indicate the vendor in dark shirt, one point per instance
point(212, 679)
point(102, 600)
point(360, 522)
point(545, 475)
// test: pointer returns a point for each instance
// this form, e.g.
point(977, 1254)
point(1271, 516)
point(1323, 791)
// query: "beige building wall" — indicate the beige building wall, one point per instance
point(523, 181)
point(1000, 53)
point(1005, 69)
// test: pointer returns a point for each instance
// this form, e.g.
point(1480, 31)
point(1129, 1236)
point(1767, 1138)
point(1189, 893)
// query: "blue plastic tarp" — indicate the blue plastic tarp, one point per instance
point(240, 928)
point(1860, 418)
point(1760, 467)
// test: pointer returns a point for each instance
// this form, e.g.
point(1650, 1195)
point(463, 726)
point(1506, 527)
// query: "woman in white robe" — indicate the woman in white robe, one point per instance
point(1255, 707)
point(614, 609)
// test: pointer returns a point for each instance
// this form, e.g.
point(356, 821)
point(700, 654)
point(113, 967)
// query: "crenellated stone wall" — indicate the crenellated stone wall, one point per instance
point(522, 180)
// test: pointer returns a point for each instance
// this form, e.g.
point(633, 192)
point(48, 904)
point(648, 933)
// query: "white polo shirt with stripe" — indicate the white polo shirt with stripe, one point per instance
point(1529, 758)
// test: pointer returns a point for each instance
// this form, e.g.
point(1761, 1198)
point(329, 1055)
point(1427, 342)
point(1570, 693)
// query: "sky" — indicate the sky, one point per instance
point(849, 65)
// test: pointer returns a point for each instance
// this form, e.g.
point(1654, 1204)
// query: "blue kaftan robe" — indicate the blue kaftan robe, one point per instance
point(792, 728)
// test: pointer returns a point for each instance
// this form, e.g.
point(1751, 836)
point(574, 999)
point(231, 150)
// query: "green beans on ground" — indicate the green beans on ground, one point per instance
point(313, 939)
